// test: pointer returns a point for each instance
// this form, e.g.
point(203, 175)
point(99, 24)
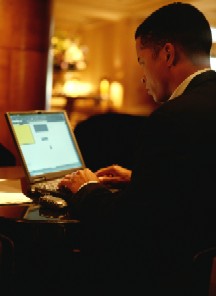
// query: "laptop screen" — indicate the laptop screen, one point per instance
point(45, 141)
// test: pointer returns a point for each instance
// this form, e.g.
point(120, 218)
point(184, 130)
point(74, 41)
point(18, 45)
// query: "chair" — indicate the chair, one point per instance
point(6, 157)
point(7, 264)
point(205, 271)
point(109, 138)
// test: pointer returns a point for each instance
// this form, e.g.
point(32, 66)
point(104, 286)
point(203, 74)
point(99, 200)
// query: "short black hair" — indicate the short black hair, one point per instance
point(178, 23)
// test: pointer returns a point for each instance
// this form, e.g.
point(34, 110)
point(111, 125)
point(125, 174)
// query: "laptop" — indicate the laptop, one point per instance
point(47, 147)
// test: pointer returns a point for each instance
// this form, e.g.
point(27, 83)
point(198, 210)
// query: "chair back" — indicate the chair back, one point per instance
point(212, 285)
point(205, 272)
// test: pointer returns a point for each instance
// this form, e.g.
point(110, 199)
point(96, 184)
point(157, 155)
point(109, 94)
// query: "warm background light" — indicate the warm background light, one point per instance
point(76, 88)
point(104, 89)
point(116, 94)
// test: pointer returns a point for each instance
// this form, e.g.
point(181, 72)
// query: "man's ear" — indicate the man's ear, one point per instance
point(169, 51)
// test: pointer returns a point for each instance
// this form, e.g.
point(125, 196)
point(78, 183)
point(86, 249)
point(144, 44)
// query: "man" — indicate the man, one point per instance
point(150, 231)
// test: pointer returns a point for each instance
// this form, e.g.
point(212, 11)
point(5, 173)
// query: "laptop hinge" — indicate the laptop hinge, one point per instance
point(40, 179)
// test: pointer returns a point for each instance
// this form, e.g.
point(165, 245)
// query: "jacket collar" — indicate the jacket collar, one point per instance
point(181, 88)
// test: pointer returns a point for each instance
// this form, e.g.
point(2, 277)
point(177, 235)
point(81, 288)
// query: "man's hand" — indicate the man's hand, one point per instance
point(75, 180)
point(114, 175)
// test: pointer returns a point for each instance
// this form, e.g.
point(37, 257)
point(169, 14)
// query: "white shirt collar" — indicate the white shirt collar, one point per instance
point(180, 89)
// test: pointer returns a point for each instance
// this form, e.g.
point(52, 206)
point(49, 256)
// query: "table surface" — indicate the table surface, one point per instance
point(10, 181)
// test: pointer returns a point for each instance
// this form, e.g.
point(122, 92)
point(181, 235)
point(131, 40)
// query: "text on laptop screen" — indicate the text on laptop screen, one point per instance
point(45, 139)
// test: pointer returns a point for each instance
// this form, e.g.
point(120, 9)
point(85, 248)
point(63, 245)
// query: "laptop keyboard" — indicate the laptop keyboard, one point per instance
point(51, 187)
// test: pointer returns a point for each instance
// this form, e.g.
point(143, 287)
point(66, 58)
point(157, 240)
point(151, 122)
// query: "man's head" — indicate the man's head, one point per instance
point(179, 37)
point(177, 23)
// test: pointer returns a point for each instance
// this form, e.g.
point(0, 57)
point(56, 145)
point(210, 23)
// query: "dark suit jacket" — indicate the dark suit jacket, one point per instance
point(146, 235)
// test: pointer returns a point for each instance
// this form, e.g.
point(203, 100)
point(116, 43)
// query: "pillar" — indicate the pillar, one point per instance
point(25, 34)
